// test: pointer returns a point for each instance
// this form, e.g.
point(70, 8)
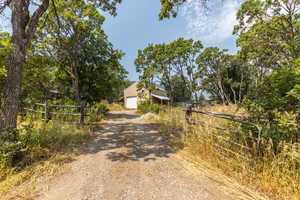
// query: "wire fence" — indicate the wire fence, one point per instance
point(69, 114)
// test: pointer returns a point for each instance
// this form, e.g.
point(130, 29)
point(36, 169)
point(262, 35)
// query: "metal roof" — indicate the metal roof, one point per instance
point(160, 97)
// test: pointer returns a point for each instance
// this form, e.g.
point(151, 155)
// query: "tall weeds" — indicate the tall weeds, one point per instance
point(29, 148)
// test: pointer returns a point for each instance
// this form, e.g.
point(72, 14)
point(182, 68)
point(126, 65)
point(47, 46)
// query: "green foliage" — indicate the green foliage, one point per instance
point(115, 107)
point(101, 108)
point(39, 79)
point(275, 106)
point(274, 91)
point(224, 76)
point(169, 8)
point(168, 64)
point(53, 65)
point(145, 107)
point(97, 111)
point(268, 33)
point(5, 49)
point(185, 71)
point(157, 108)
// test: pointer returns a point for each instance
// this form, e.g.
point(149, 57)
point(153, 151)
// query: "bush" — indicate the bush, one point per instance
point(97, 112)
point(23, 147)
point(115, 107)
point(157, 108)
point(145, 107)
point(274, 106)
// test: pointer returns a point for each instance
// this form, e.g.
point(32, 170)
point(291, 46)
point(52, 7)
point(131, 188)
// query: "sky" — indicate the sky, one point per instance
point(137, 25)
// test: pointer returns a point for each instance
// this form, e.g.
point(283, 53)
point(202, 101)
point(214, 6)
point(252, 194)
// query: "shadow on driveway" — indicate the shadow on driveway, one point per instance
point(126, 138)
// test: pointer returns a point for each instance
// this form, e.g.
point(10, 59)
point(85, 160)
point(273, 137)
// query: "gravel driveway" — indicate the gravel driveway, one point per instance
point(129, 159)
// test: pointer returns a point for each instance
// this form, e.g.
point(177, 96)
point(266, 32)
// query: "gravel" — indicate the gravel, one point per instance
point(129, 160)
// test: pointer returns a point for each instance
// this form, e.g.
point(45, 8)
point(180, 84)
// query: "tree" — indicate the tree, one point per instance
point(86, 59)
point(159, 63)
point(68, 34)
point(170, 7)
point(184, 54)
point(24, 24)
point(39, 79)
point(147, 64)
point(225, 76)
point(178, 86)
point(268, 33)
point(5, 48)
point(214, 62)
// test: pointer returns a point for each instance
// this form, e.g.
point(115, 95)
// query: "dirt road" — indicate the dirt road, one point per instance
point(129, 160)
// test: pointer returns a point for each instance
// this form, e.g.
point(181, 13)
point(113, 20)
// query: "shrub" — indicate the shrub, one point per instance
point(115, 107)
point(275, 106)
point(97, 112)
point(23, 147)
point(157, 108)
point(143, 107)
point(10, 147)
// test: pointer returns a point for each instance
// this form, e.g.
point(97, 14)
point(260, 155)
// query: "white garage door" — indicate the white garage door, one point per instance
point(131, 102)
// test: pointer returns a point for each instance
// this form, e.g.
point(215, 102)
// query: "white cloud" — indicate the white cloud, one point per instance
point(213, 24)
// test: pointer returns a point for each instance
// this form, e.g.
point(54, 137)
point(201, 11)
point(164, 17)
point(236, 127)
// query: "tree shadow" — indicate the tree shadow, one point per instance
point(113, 116)
point(130, 141)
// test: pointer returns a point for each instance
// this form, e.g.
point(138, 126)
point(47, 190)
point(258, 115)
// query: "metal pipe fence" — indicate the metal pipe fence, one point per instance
point(234, 140)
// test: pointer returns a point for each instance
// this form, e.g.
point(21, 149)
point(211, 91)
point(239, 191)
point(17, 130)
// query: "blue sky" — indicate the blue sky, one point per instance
point(137, 25)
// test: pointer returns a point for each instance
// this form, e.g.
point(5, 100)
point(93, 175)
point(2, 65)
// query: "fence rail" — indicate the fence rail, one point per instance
point(52, 112)
point(234, 142)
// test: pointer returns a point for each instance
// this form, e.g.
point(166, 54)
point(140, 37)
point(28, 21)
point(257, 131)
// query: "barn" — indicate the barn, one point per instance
point(132, 97)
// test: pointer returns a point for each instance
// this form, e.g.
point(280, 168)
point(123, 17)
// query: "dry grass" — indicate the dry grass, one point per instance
point(115, 107)
point(277, 177)
point(46, 151)
point(24, 185)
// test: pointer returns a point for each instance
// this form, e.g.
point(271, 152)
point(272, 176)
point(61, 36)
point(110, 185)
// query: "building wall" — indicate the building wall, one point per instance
point(132, 91)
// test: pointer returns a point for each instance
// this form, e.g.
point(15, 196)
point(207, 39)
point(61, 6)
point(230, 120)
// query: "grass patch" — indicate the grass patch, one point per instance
point(115, 107)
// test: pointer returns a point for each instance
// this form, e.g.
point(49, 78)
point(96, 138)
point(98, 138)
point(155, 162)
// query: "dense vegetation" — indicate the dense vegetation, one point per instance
point(66, 33)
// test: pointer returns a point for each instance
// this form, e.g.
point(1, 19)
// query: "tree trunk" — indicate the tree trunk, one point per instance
point(76, 84)
point(23, 29)
point(240, 88)
point(12, 89)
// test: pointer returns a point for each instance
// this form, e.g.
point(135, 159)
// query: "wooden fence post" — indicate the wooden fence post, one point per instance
point(82, 114)
point(31, 117)
point(46, 112)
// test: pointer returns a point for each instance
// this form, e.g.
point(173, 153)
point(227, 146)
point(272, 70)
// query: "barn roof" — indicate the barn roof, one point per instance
point(160, 97)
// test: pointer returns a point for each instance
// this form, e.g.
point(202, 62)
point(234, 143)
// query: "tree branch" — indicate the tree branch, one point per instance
point(5, 4)
point(33, 22)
